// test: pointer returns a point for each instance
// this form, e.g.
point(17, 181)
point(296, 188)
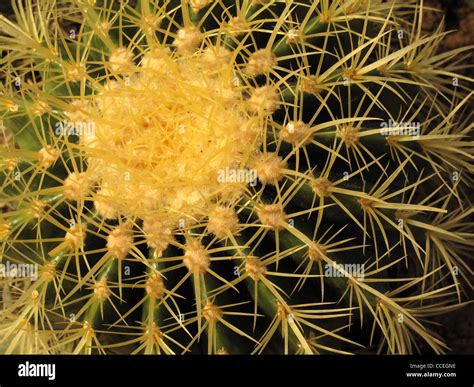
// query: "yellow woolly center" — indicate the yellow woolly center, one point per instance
point(255, 268)
point(101, 290)
point(196, 258)
point(154, 286)
point(271, 215)
point(211, 312)
point(164, 134)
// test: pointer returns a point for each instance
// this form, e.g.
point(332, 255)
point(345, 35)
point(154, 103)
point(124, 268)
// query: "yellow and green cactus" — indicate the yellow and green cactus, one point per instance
point(231, 176)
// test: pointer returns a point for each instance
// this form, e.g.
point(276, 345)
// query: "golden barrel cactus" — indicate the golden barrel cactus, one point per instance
point(231, 176)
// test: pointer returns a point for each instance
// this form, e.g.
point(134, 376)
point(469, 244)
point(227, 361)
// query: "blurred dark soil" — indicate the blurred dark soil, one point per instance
point(457, 330)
